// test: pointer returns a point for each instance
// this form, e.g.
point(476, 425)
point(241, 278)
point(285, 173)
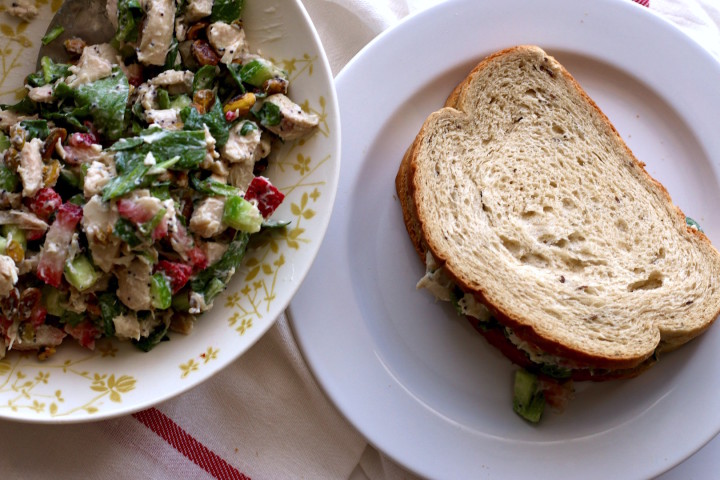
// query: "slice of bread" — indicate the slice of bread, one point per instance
point(526, 196)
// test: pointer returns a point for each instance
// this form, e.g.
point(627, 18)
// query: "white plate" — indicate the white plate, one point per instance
point(78, 385)
point(406, 371)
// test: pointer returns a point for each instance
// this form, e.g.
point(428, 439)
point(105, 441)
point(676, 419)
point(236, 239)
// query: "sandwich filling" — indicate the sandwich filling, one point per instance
point(501, 336)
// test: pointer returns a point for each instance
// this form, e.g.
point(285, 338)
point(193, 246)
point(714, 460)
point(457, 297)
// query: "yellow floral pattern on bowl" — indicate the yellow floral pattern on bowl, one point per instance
point(78, 384)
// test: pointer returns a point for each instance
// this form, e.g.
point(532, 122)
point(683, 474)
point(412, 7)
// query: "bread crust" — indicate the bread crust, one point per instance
point(523, 327)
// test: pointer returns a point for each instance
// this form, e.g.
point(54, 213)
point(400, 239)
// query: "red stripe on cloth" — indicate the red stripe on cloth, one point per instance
point(186, 444)
point(644, 3)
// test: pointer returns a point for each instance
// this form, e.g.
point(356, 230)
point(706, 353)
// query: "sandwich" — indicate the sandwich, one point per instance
point(536, 220)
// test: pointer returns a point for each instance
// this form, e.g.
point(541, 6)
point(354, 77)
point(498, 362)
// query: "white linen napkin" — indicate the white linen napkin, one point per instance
point(264, 416)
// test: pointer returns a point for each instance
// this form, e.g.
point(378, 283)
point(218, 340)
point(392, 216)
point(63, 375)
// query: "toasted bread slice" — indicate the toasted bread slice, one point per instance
point(527, 197)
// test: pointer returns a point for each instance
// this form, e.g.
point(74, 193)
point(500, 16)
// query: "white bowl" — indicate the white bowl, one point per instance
point(76, 384)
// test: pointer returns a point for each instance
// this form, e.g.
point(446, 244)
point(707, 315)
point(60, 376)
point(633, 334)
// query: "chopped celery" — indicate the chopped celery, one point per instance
point(55, 32)
point(13, 232)
point(242, 215)
point(163, 98)
point(9, 180)
point(160, 292)
point(257, 71)
point(4, 142)
point(180, 102)
point(54, 299)
point(213, 289)
point(77, 199)
point(528, 400)
point(181, 301)
point(275, 224)
point(80, 273)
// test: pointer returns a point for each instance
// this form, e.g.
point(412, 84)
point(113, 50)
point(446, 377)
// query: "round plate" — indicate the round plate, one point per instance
point(78, 385)
point(411, 375)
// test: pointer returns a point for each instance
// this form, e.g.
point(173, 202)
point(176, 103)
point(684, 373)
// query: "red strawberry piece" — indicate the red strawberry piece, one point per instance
point(59, 235)
point(198, 258)
point(85, 333)
point(268, 197)
point(81, 140)
point(133, 211)
point(177, 273)
point(45, 202)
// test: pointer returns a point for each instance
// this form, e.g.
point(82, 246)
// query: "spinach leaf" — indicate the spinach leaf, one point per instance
point(213, 187)
point(235, 69)
point(125, 231)
point(188, 145)
point(72, 318)
point(204, 78)
point(183, 150)
point(107, 99)
point(171, 61)
point(158, 335)
point(69, 115)
point(269, 114)
point(223, 268)
point(35, 129)
point(49, 73)
point(227, 10)
point(133, 178)
point(129, 14)
point(247, 127)
point(110, 307)
point(214, 119)
point(24, 106)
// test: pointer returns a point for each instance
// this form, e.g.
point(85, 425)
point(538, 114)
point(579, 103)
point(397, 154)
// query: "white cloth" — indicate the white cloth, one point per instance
point(264, 414)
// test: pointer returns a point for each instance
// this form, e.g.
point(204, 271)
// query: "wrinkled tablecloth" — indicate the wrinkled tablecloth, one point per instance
point(264, 416)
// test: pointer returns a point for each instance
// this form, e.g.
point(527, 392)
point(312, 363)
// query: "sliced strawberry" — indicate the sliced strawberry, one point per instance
point(59, 235)
point(557, 393)
point(80, 140)
point(45, 202)
point(198, 258)
point(85, 333)
point(37, 316)
point(161, 231)
point(268, 197)
point(34, 234)
point(5, 324)
point(177, 273)
point(181, 241)
point(79, 155)
point(133, 211)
